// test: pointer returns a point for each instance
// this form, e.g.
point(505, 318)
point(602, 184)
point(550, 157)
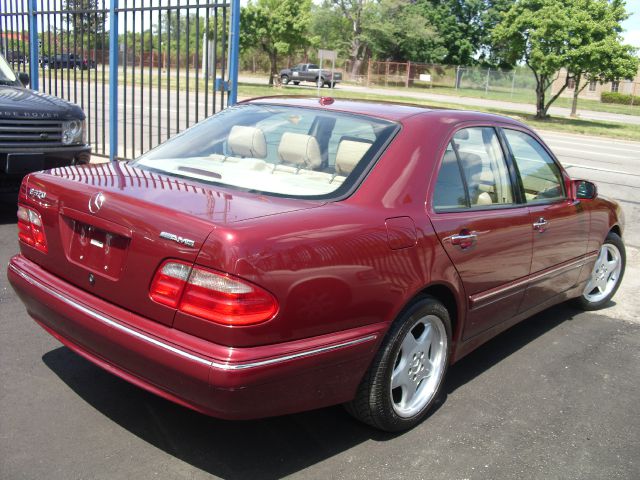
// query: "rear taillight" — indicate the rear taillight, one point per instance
point(211, 295)
point(30, 229)
point(169, 282)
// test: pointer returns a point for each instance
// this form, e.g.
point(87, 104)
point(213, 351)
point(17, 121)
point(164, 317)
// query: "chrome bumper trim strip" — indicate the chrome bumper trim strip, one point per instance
point(190, 356)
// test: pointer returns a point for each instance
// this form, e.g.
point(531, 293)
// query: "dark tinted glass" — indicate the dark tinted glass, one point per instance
point(449, 191)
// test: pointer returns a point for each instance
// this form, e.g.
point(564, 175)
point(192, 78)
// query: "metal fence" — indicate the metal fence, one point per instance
point(519, 81)
point(142, 70)
point(517, 84)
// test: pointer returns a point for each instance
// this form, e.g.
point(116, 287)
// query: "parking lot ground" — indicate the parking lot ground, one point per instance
point(554, 397)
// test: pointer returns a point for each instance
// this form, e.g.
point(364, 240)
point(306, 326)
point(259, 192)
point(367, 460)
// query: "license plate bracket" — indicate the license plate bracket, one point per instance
point(22, 163)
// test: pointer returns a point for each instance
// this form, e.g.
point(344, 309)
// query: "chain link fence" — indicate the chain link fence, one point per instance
point(516, 85)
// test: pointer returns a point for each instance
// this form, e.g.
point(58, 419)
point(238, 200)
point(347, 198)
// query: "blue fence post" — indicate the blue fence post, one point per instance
point(234, 53)
point(113, 80)
point(33, 45)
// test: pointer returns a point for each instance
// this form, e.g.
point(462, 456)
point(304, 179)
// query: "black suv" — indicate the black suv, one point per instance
point(14, 56)
point(37, 131)
point(70, 60)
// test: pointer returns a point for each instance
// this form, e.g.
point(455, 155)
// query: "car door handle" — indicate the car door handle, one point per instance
point(541, 225)
point(464, 239)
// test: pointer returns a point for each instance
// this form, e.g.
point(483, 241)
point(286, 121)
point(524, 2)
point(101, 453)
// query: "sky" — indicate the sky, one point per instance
point(632, 24)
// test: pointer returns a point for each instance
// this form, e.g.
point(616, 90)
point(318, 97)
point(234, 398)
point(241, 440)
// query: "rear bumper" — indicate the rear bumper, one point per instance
point(226, 382)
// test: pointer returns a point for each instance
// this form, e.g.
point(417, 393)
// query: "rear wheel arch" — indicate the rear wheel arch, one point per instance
point(616, 229)
point(447, 297)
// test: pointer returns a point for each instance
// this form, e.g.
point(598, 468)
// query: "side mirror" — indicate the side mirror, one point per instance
point(24, 78)
point(585, 189)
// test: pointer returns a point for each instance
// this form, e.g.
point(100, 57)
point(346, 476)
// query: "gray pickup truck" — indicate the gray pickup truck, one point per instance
point(310, 72)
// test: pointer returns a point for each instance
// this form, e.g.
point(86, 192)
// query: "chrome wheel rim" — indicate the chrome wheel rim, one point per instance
point(605, 274)
point(419, 366)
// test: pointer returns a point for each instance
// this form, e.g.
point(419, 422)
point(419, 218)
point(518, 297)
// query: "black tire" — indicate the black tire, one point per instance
point(296, 82)
point(320, 82)
point(584, 301)
point(284, 79)
point(374, 400)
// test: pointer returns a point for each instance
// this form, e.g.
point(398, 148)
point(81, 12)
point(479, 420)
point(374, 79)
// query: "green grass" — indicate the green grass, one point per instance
point(528, 97)
point(578, 126)
point(520, 95)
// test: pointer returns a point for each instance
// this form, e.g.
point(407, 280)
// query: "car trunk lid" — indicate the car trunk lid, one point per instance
point(110, 226)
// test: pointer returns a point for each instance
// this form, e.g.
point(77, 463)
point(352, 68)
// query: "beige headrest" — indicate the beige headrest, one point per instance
point(484, 199)
point(487, 181)
point(349, 154)
point(462, 135)
point(247, 142)
point(300, 149)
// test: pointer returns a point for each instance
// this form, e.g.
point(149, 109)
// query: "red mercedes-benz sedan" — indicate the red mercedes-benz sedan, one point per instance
point(292, 253)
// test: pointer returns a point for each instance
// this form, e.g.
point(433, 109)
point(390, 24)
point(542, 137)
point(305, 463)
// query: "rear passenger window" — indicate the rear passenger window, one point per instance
point(449, 191)
point(541, 177)
point(474, 172)
point(483, 166)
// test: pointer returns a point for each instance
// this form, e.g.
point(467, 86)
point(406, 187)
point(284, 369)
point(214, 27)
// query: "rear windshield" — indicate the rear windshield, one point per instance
point(277, 150)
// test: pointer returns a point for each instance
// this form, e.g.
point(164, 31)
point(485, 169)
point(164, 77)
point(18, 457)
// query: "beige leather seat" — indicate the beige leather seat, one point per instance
point(487, 182)
point(486, 188)
point(299, 150)
point(247, 142)
point(349, 153)
point(484, 199)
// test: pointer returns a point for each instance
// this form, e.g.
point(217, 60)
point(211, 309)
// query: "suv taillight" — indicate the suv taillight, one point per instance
point(214, 296)
point(30, 230)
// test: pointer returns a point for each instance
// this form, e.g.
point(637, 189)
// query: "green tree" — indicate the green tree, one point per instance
point(458, 25)
point(463, 29)
point(396, 30)
point(86, 18)
point(549, 35)
point(537, 32)
point(276, 27)
point(185, 33)
point(353, 11)
point(597, 53)
point(327, 28)
point(491, 16)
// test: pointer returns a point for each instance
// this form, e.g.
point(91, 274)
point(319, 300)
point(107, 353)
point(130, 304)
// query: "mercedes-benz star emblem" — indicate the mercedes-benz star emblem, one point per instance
point(95, 202)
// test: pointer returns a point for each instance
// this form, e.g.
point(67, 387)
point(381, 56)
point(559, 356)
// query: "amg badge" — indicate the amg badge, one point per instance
point(171, 236)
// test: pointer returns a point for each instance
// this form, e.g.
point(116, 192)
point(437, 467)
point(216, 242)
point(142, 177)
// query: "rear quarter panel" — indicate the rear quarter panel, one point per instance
point(331, 269)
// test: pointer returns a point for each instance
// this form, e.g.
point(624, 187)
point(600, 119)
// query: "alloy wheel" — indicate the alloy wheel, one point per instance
point(605, 274)
point(419, 366)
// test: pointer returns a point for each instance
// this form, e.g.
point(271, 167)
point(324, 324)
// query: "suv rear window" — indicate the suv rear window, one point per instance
point(279, 150)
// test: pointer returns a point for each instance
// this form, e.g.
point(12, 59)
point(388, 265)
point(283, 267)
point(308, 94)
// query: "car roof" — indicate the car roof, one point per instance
point(385, 110)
